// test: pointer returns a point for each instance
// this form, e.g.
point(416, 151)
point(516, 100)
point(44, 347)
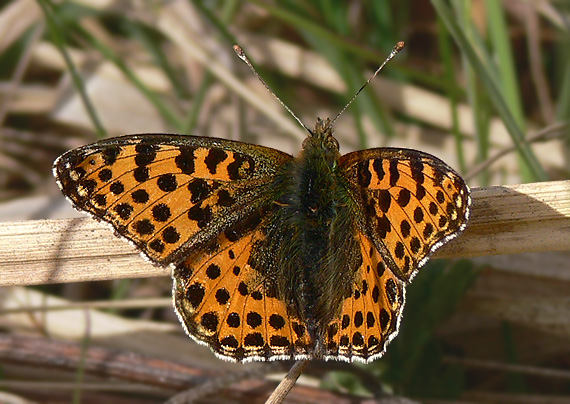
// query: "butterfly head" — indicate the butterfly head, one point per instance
point(322, 141)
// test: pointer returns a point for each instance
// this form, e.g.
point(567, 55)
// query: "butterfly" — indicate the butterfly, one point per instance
point(274, 256)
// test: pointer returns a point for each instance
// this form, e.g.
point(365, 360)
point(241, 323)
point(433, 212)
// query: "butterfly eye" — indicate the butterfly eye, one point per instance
point(331, 143)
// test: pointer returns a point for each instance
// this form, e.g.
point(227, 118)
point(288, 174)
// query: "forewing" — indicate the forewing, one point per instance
point(223, 301)
point(167, 193)
point(411, 203)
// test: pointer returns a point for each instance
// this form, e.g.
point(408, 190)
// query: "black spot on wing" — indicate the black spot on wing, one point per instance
point(214, 158)
point(185, 160)
point(394, 173)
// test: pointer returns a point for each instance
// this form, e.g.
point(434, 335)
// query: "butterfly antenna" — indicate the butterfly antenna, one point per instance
point(399, 46)
point(239, 51)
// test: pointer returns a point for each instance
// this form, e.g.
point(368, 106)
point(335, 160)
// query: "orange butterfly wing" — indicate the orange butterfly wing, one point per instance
point(412, 203)
point(167, 193)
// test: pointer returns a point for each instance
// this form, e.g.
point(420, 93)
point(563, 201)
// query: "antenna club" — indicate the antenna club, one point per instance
point(239, 51)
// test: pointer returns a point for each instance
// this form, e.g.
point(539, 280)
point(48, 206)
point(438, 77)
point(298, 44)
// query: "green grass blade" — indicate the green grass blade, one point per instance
point(228, 12)
point(151, 42)
point(452, 90)
point(477, 59)
point(60, 43)
point(481, 113)
point(166, 111)
point(505, 63)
